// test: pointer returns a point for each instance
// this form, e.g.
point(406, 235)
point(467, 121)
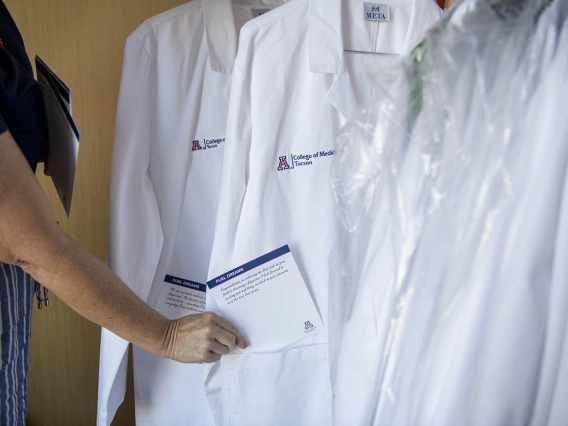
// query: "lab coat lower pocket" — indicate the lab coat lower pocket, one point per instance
point(278, 389)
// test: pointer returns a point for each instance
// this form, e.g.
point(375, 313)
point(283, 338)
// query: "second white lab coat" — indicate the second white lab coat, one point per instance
point(292, 90)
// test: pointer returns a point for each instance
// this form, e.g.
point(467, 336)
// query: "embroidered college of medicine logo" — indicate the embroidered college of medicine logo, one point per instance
point(196, 146)
point(283, 164)
point(308, 325)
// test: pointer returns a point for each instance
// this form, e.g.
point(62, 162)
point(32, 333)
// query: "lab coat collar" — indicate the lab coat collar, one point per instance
point(425, 13)
point(326, 36)
point(341, 94)
point(326, 31)
point(221, 34)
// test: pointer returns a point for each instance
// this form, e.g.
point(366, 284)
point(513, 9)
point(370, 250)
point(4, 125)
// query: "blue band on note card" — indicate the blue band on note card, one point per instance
point(248, 266)
point(185, 283)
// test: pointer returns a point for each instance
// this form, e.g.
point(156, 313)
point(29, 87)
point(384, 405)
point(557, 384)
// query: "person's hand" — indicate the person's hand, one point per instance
point(201, 338)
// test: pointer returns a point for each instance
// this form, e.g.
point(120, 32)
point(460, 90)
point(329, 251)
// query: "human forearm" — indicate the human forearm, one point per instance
point(92, 290)
point(31, 238)
point(85, 284)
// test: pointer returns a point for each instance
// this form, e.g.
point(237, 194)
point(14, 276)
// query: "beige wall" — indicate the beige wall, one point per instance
point(82, 41)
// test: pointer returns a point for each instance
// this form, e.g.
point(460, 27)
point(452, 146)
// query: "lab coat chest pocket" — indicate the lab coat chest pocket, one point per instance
point(279, 389)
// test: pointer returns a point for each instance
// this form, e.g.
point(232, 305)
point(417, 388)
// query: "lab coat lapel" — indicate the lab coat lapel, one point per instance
point(221, 34)
point(326, 49)
point(325, 37)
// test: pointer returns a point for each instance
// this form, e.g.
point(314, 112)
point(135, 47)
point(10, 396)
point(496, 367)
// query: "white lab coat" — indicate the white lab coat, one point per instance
point(292, 90)
point(459, 300)
point(506, 330)
point(163, 197)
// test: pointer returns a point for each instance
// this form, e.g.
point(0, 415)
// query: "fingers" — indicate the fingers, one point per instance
point(226, 325)
point(212, 357)
point(204, 338)
point(218, 348)
point(224, 337)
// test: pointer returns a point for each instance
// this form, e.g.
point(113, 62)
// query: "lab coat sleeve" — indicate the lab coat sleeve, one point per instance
point(135, 235)
point(234, 175)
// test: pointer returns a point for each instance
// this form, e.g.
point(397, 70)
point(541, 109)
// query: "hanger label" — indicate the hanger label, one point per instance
point(377, 12)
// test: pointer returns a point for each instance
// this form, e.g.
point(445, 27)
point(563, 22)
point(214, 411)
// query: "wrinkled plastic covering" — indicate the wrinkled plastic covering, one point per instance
point(451, 304)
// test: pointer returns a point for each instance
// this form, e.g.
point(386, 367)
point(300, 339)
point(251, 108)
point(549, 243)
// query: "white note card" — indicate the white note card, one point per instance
point(180, 297)
point(268, 301)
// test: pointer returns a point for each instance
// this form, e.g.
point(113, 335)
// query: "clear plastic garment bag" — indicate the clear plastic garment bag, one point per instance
point(450, 306)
